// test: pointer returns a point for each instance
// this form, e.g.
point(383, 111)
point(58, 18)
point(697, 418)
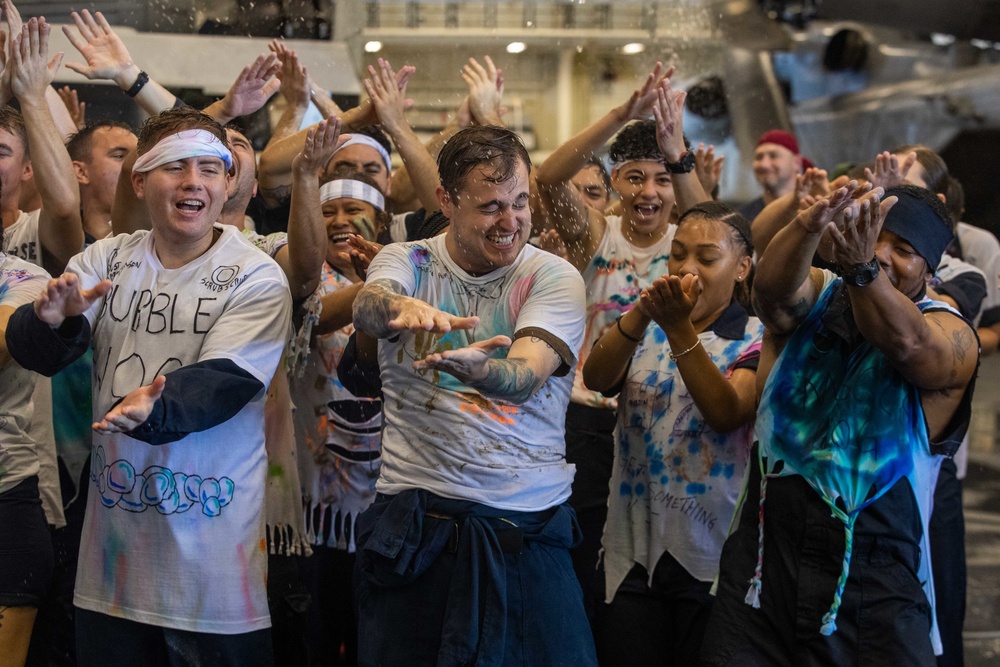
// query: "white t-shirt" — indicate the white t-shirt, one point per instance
point(21, 240)
point(445, 437)
point(20, 283)
point(174, 534)
point(615, 276)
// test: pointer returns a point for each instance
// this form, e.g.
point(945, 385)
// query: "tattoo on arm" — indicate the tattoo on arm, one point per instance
point(373, 307)
point(508, 379)
point(960, 340)
point(278, 194)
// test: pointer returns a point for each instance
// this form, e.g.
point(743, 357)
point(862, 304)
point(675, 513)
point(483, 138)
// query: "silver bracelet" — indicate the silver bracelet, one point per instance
point(681, 354)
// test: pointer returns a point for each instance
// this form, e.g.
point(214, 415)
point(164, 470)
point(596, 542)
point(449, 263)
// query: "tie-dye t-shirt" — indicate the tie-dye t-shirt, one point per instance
point(675, 481)
point(835, 411)
point(443, 436)
point(339, 436)
point(174, 534)
point(20, 283)
point(614, 279)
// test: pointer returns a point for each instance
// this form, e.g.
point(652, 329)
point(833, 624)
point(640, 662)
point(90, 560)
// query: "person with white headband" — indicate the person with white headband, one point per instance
point(338, 434)
point(618, 257)
point(188, 324)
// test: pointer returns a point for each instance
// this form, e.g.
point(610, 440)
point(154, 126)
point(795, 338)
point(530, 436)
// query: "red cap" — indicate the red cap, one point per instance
point(780, 137)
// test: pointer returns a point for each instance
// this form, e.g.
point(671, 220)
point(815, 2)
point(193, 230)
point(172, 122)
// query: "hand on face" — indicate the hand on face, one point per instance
point(671, 299)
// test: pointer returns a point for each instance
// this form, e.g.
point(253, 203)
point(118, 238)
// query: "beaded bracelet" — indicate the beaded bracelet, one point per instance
point(618, 323)
point(681, 354)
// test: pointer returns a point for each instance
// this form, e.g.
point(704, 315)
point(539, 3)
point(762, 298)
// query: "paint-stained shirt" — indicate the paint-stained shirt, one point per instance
point(614, 278)
point(675, 481)
point(20, 283)
point(174, 533)
point(443, 436)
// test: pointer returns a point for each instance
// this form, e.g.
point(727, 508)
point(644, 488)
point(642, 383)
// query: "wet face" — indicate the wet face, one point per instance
point(345, 216)
point(647, 195)
point(905, 268)
point(589, 182)
point(707, 249)
point(775, 168)
point(185, 197)
point(490, 222)
point(362, 158)
point(99, 174)
point(15, 168)
point(243, 185)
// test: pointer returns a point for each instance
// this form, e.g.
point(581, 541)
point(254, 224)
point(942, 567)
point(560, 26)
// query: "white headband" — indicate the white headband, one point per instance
point(351, 189)
point(364, 140)
point(185, 144)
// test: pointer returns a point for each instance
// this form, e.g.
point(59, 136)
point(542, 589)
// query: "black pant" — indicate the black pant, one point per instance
point(947, 536)
point(659, 624)
point(332, 624)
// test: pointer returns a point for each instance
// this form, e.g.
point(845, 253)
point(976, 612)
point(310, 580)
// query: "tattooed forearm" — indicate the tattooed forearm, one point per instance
point(511, 380)
point(373, 307)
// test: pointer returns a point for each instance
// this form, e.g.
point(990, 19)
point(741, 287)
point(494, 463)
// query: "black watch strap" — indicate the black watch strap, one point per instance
point(140, 81)
point(684, 165)
point(861, 275)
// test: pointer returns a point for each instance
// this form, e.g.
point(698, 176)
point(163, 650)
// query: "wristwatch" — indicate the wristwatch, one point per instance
point(683, 166)
point(860, 275)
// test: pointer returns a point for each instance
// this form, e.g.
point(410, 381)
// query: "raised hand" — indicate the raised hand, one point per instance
point(415, 315)
point(855, 232)
point(468, 364)
point(361, 254)
point(890, 171)
point(708, 167)
point(105, 53)
point(367, 114)
point(640, 104)
point(32, 72)
point(815, 218)
point(812, 183)
point(668, 110)
point(321, 143)
point(670, 299)
point(77, 109)
point(63, 297)
point(293, 78)
point(253, 87)
point(485, 91)
point(550, 241)
point(133, 410)
point(387, 96)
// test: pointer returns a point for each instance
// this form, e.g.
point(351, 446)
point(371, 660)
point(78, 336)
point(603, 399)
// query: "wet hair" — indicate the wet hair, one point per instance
point(714, 210)
point(739, 234)
point(81, 143)
point(376, 133)
point(927, 197)
point(955, 198)
point(935, 168)
point(497, 147)
point(636, 141)
point(595, 161)
point(12, 121)
point(177, 120)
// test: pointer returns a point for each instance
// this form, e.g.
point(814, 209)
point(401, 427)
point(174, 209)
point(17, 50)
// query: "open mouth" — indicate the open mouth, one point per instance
point(339, 237)
point(501, 240)
point(190, 205)
point(647, 211)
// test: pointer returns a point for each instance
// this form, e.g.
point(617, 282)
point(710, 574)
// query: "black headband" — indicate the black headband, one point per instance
point(919, 225)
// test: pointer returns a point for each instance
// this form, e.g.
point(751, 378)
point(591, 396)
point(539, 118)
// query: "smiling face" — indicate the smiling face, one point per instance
point(98, 175)
point(589, 182)
point(707, 249)
point(775, 168)
point(345, 216)
point(647, 195)
point(184, 198)
point(15, 167)
point(490, 222)
point(243, 185)
point(363, 158)
point(904, 267)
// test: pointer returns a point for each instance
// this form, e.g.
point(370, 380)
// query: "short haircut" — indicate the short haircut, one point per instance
point(595, 161)
point(81, 143)
point(636, 141)
point(490, 145)
point(12, 121)
point(714, 210)
point(955, 198)
point(934, 166)
point(177, 120)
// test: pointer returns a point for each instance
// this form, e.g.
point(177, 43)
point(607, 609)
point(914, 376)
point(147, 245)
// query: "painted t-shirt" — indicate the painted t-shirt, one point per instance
point(21, 240)
point(614, 279)
point(675, 481)
point(440, 434)
point(338, 434)
point(174, 534)
point(20, 283)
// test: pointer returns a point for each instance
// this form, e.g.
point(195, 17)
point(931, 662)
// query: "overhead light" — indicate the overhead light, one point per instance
point(940, 39)
point(633, 48)
point(516, 47)
point(373, 46)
